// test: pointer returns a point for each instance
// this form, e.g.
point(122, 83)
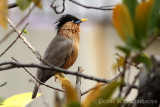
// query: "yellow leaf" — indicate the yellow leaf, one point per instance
point(120, 63)
point(3, 13)
point(141, 18)
point(20, 100)
point(122, 21)
point(71, 93)
point(93, 94)
point(38, 3)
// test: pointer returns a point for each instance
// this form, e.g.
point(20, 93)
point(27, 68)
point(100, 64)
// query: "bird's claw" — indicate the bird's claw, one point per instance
point(64, 80)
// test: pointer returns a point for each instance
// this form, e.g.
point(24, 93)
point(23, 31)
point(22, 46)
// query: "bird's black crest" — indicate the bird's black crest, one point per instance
point(65, 18)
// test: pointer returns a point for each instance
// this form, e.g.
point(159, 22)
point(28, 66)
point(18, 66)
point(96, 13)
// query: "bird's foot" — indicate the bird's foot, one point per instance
point(64, 80)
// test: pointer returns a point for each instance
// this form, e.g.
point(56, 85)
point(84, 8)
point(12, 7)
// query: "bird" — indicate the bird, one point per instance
point(63, 49)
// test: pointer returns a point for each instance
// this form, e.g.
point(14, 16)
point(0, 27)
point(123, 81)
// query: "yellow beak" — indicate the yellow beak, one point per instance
point(83, 20)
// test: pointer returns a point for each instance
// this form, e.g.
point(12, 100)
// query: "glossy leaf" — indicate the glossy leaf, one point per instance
point(142, 19)
point(20, 100)
point(131, 4)
point(3, 13)
point(106, 94)
point(91, 97)
point(122, 21)
point(154, 15)
point(143, 59)
point(134, 44)
point(23, 4)
point(124, 50)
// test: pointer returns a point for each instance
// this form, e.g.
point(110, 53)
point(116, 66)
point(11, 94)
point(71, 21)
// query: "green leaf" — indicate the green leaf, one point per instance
point(131, 4)
point(142, 20)
point(134, 44)
point(124, 50)
point(143, 59)
point(106, 94)
point(154, 13)
point(20, 100)
point(158, 23)
point(25, 31)
point(74, 104)
point(23, 4)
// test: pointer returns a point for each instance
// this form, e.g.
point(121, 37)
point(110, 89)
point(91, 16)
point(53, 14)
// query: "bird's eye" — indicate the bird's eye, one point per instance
point(72, 21)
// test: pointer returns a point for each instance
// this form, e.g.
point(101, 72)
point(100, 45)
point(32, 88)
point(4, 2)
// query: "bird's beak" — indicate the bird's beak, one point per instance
point(80, 21)
point(83, 20)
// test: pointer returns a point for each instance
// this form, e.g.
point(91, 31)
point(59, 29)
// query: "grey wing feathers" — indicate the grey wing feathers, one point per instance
point(56, 54)
point(57, 50)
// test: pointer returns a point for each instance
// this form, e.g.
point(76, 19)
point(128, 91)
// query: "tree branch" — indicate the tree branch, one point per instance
point(91, 7)
point(85, 92)
point(104, 8)
point(13, 5)
point(55, 7)
point(78, 83)
point(38, 80)
point(20, 22)
point(3, 84)
point(13, 41)
point(11, 65)
point(25, 41)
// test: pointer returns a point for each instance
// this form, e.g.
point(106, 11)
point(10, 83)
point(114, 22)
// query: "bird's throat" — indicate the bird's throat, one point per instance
point(70, 30)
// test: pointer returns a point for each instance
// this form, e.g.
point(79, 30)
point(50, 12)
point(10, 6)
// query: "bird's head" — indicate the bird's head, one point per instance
point(68, 18)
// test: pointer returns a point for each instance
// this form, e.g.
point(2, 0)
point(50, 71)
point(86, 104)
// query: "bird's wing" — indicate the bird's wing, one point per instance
point(56, 54)
point(57, 51)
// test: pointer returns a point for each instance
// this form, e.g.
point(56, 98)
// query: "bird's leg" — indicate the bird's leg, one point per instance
point(62, 78)
point(59, 75)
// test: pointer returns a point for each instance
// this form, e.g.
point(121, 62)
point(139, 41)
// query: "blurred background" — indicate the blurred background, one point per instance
point(97, 47)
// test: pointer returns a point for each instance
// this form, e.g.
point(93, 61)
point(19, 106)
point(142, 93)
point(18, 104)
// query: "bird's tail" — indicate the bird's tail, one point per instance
point(35, 90)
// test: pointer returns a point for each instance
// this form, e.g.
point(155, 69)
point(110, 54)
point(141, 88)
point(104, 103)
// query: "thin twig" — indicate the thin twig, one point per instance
point(11, 65)
point(78, 83)
point(123, 75)
point(38, 80)
point(13, 41)
point(34, 51)
point(85, 92)
point(151, 41)
point(25, 41)
point(3, 84)
point(55, 7)
point(20, 22)
point(91, 7)
point(130, 86)
point(13, 5)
